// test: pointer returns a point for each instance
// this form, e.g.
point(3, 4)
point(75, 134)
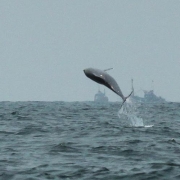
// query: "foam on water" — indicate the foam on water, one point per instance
point(130, 111)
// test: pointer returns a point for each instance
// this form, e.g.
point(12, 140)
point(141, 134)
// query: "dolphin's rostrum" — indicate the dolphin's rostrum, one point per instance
point(102, 77)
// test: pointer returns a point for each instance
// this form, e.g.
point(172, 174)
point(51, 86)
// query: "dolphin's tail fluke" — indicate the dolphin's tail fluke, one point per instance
point(126, 98)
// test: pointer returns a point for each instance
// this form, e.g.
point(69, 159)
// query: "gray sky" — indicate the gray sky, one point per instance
point(46, 44)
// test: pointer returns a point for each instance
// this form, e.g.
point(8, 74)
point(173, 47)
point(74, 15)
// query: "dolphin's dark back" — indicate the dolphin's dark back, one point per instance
point(104, 78)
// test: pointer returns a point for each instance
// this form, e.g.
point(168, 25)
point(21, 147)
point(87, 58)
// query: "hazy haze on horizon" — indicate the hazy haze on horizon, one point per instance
point(45, 45)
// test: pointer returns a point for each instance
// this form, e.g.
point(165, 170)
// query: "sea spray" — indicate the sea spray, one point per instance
point(129, 109)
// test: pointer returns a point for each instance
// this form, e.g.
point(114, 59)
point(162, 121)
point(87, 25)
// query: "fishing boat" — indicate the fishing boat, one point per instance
point(100, 97)
point(149, 97)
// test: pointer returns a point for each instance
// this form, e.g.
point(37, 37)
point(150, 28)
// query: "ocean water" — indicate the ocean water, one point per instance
point(89, 141)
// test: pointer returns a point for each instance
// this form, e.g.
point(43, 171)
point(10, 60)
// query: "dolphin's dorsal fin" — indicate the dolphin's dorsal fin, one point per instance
point(108, 69)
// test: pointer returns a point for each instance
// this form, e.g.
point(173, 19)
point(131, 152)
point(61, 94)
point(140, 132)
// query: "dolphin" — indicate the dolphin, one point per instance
point(102, 77)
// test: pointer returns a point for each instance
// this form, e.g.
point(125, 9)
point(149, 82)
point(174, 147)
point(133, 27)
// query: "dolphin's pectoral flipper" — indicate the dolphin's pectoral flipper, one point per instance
point(108, 69)
point(126, 98)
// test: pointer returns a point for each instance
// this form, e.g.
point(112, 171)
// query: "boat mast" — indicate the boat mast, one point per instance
point(152, 85)
point(132, 87)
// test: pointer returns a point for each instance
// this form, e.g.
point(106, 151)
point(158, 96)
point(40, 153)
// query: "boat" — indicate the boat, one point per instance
point(100, 97)
point(149, 97)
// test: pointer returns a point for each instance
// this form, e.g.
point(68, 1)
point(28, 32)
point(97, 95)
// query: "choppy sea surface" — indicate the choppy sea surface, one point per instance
point(89, 141)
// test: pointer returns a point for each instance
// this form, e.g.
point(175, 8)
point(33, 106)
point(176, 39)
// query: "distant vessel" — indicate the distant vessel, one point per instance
point(149, 97)
point(100, 97)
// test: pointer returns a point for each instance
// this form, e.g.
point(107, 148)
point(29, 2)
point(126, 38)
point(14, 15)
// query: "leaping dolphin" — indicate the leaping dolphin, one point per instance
point(102, 77)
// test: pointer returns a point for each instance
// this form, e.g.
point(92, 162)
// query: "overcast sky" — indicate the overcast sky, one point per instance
point(46, 44)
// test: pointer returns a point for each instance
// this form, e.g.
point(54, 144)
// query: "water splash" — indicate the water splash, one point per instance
point(129, 109)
